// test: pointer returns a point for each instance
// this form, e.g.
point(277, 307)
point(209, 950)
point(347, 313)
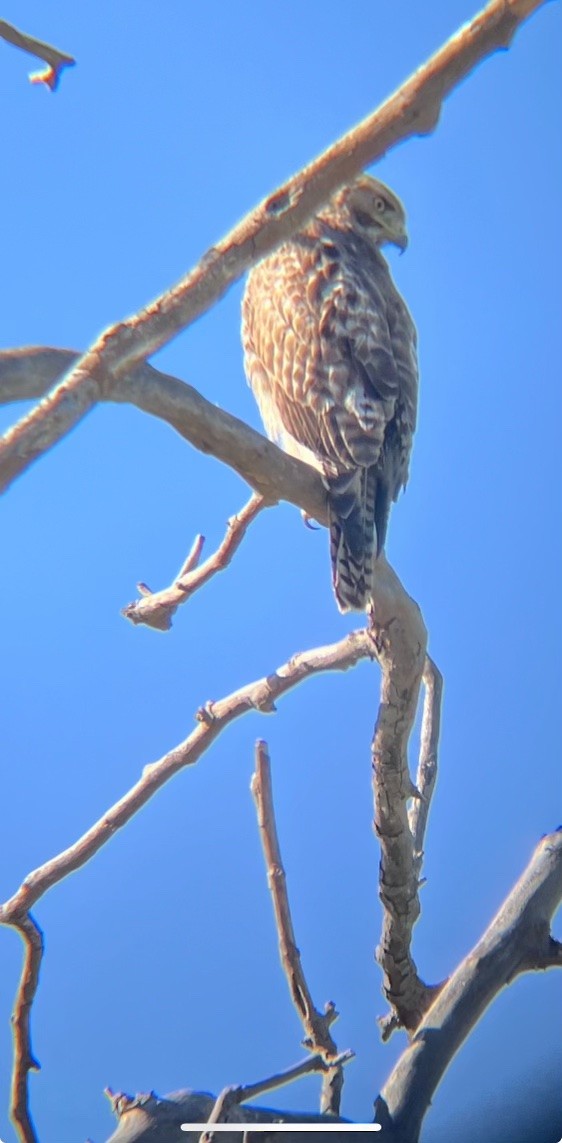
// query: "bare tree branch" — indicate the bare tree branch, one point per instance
point(212, 720)
point(155, 609)
point(232, 1097)
point(149, 1118)
point(55, 59)
point(29, 372)
point(24, 1060)
point(396, 637)
point(309, 1066)
point(427, 766)
point(517, 940)
point(401, 648)
point(407, 995)
point(413, 110)
point(316, 1024)
point(399, 629)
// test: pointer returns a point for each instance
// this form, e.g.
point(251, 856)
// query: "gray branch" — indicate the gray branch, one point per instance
point(517, 940)
point(29, 373)
point(53, 57)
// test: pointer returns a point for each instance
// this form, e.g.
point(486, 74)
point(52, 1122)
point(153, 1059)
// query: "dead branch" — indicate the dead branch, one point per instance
point(310, 1065)
point(413, 110)
point(24, 1060)
point(400, 637)
point(426, 775)
point(397, 637)
point(155, 609)
point(318, 1038)
point(408, 997)
point(517, 940)
point(30, 372)
point(147, 1117)
point(55, 59)
point(212, 720)
point(227, 1106)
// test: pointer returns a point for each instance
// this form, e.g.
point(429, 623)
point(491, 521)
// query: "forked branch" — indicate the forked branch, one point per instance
point(212, 720)
point(155, 609)
point(318, 1038)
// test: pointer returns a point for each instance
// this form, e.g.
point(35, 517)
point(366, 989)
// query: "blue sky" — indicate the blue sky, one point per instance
point(161, 968)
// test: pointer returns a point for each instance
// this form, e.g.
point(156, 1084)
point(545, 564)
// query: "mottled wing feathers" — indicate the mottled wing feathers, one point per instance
point(330, 356)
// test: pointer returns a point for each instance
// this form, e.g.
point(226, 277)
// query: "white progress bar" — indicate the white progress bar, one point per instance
point(251, 1127)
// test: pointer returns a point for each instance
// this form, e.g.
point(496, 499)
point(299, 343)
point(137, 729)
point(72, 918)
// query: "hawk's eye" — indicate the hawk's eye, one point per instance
point(380, 205)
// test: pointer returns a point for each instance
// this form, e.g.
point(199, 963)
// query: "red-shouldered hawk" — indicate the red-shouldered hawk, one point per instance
point(330, 354)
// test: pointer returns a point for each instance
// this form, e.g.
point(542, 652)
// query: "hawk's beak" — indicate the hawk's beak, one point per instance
point(401, 241)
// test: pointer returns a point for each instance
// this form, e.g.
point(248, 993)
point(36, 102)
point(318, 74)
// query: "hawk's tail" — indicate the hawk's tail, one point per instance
point(352, 501)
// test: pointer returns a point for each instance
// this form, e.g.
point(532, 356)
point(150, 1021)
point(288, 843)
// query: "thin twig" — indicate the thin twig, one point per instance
point(233, 1096)
point(426, 776)
point(517, 940)
point(155, 609)
point(312, 1064)
point(55, 59)
point(413, 110)
point(318, 1038)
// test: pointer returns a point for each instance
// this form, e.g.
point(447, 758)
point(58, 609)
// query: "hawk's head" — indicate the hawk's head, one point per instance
point(373, 211)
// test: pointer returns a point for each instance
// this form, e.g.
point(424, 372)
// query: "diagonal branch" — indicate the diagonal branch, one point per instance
point(413, 110)
point(54, 58)
point(155, 609)
point(227, 1106)
point(316, 1024)
point(212, 719)
point(517, 940)
point(29, 372)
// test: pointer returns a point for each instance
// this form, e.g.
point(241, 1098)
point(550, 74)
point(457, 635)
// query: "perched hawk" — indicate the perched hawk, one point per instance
point(330, 353)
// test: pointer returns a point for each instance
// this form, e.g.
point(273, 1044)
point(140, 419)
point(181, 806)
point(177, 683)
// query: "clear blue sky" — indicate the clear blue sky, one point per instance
point(161, 968)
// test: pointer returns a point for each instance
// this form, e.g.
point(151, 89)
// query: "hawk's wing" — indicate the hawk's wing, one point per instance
point(328, 354)
point(331, 357)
